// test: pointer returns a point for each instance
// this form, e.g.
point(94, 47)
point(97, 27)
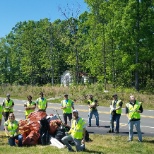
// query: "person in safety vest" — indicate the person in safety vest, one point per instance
point(29, 106)
point(1, 111)
point(115, 113)
point(133, 110)
point(12, 131)
point(8, 105)
point(76, 134)
point(41, 103)
point(67, 105)
point(93, 110)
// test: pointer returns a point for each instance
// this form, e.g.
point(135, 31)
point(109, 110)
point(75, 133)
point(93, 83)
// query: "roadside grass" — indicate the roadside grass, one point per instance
point(100, 144)
point(79, 93)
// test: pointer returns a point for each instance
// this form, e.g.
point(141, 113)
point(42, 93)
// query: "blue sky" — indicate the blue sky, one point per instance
point(13, 11)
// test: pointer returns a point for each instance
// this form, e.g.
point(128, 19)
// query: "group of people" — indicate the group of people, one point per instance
point(11, 126)
point(133, 110)
point(78, 124)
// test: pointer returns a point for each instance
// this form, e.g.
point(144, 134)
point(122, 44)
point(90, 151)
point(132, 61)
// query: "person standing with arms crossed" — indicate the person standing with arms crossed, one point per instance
point(8, 105)
point(115, 111)
point(42, 103)
point(133, 110)
point(67, 105)
point(93, 110)
point(29, 106)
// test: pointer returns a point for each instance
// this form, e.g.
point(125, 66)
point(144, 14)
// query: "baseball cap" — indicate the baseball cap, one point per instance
point(114, 95)
point(75, 111)
point(8, 95)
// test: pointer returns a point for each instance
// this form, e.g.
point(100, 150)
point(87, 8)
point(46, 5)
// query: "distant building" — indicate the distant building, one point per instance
point(66, 78)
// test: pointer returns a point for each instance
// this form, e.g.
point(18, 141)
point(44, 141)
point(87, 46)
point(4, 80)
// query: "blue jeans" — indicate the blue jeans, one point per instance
point(95, 112)
point(115, 118)
point(137, 125)
point(69, 138)
point(11, 140)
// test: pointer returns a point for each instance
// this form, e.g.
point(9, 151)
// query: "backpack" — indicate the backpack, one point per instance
point(60, 133)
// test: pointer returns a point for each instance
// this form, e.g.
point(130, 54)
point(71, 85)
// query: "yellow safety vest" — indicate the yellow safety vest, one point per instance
point(119, 111)
point(12, 127)
point(28, 104)
point(68, 105)
point(8, 105)
point(132, 114)
point(42, 103)
point(92, 103)
point(1, 110)
point(77, 128)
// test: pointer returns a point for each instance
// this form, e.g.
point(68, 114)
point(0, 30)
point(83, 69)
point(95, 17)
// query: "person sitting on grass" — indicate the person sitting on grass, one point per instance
point(12, 131)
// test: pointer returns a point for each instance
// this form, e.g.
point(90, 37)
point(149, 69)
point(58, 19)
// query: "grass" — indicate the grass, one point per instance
point(79, 93)
point(100, 144)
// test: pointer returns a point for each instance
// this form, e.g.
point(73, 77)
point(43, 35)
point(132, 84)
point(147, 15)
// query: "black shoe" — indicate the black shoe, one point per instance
point(111, 131)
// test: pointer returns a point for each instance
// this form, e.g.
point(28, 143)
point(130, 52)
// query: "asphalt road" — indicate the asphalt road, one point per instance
point(147, 121)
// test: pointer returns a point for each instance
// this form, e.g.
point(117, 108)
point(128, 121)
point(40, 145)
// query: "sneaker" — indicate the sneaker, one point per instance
point(139, 141)
point(129, 141)
point(89, 125)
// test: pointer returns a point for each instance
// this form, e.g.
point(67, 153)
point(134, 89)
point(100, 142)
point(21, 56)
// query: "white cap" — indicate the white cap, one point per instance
point(75, 111)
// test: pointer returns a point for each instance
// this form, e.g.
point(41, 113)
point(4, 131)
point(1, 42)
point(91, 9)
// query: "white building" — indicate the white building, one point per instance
point(66, 78)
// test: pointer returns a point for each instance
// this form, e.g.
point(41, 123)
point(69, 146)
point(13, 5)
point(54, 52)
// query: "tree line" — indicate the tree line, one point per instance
point(112, 42)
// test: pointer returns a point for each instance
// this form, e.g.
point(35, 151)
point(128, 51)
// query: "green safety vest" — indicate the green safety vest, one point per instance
point(27, 112)
point(68, 106)
point(91, 103)
point(1, 110)
point(132, 114)
point(77, 128)
point(8, 104)
point(119, 111)
point(42, 104)
point(12, 127)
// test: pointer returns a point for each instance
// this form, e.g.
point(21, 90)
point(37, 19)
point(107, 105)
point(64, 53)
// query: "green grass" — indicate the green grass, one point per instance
point(78, 92)
point(100, 144)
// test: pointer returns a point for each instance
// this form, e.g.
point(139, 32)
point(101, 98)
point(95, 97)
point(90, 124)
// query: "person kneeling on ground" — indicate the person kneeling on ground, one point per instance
point(12, 131)
point(76, 133)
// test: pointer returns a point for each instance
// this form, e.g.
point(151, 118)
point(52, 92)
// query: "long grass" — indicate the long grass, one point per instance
point(79, 93)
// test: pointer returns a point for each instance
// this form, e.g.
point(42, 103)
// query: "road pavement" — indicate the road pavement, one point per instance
point(147, 118)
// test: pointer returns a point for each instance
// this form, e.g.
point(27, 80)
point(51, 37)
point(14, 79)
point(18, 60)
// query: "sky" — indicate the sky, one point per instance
point(14, 11)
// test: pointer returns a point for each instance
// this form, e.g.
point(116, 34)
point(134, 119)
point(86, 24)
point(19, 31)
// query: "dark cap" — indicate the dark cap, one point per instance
point(41, 93)
point(115, 95)
point(65, 95)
